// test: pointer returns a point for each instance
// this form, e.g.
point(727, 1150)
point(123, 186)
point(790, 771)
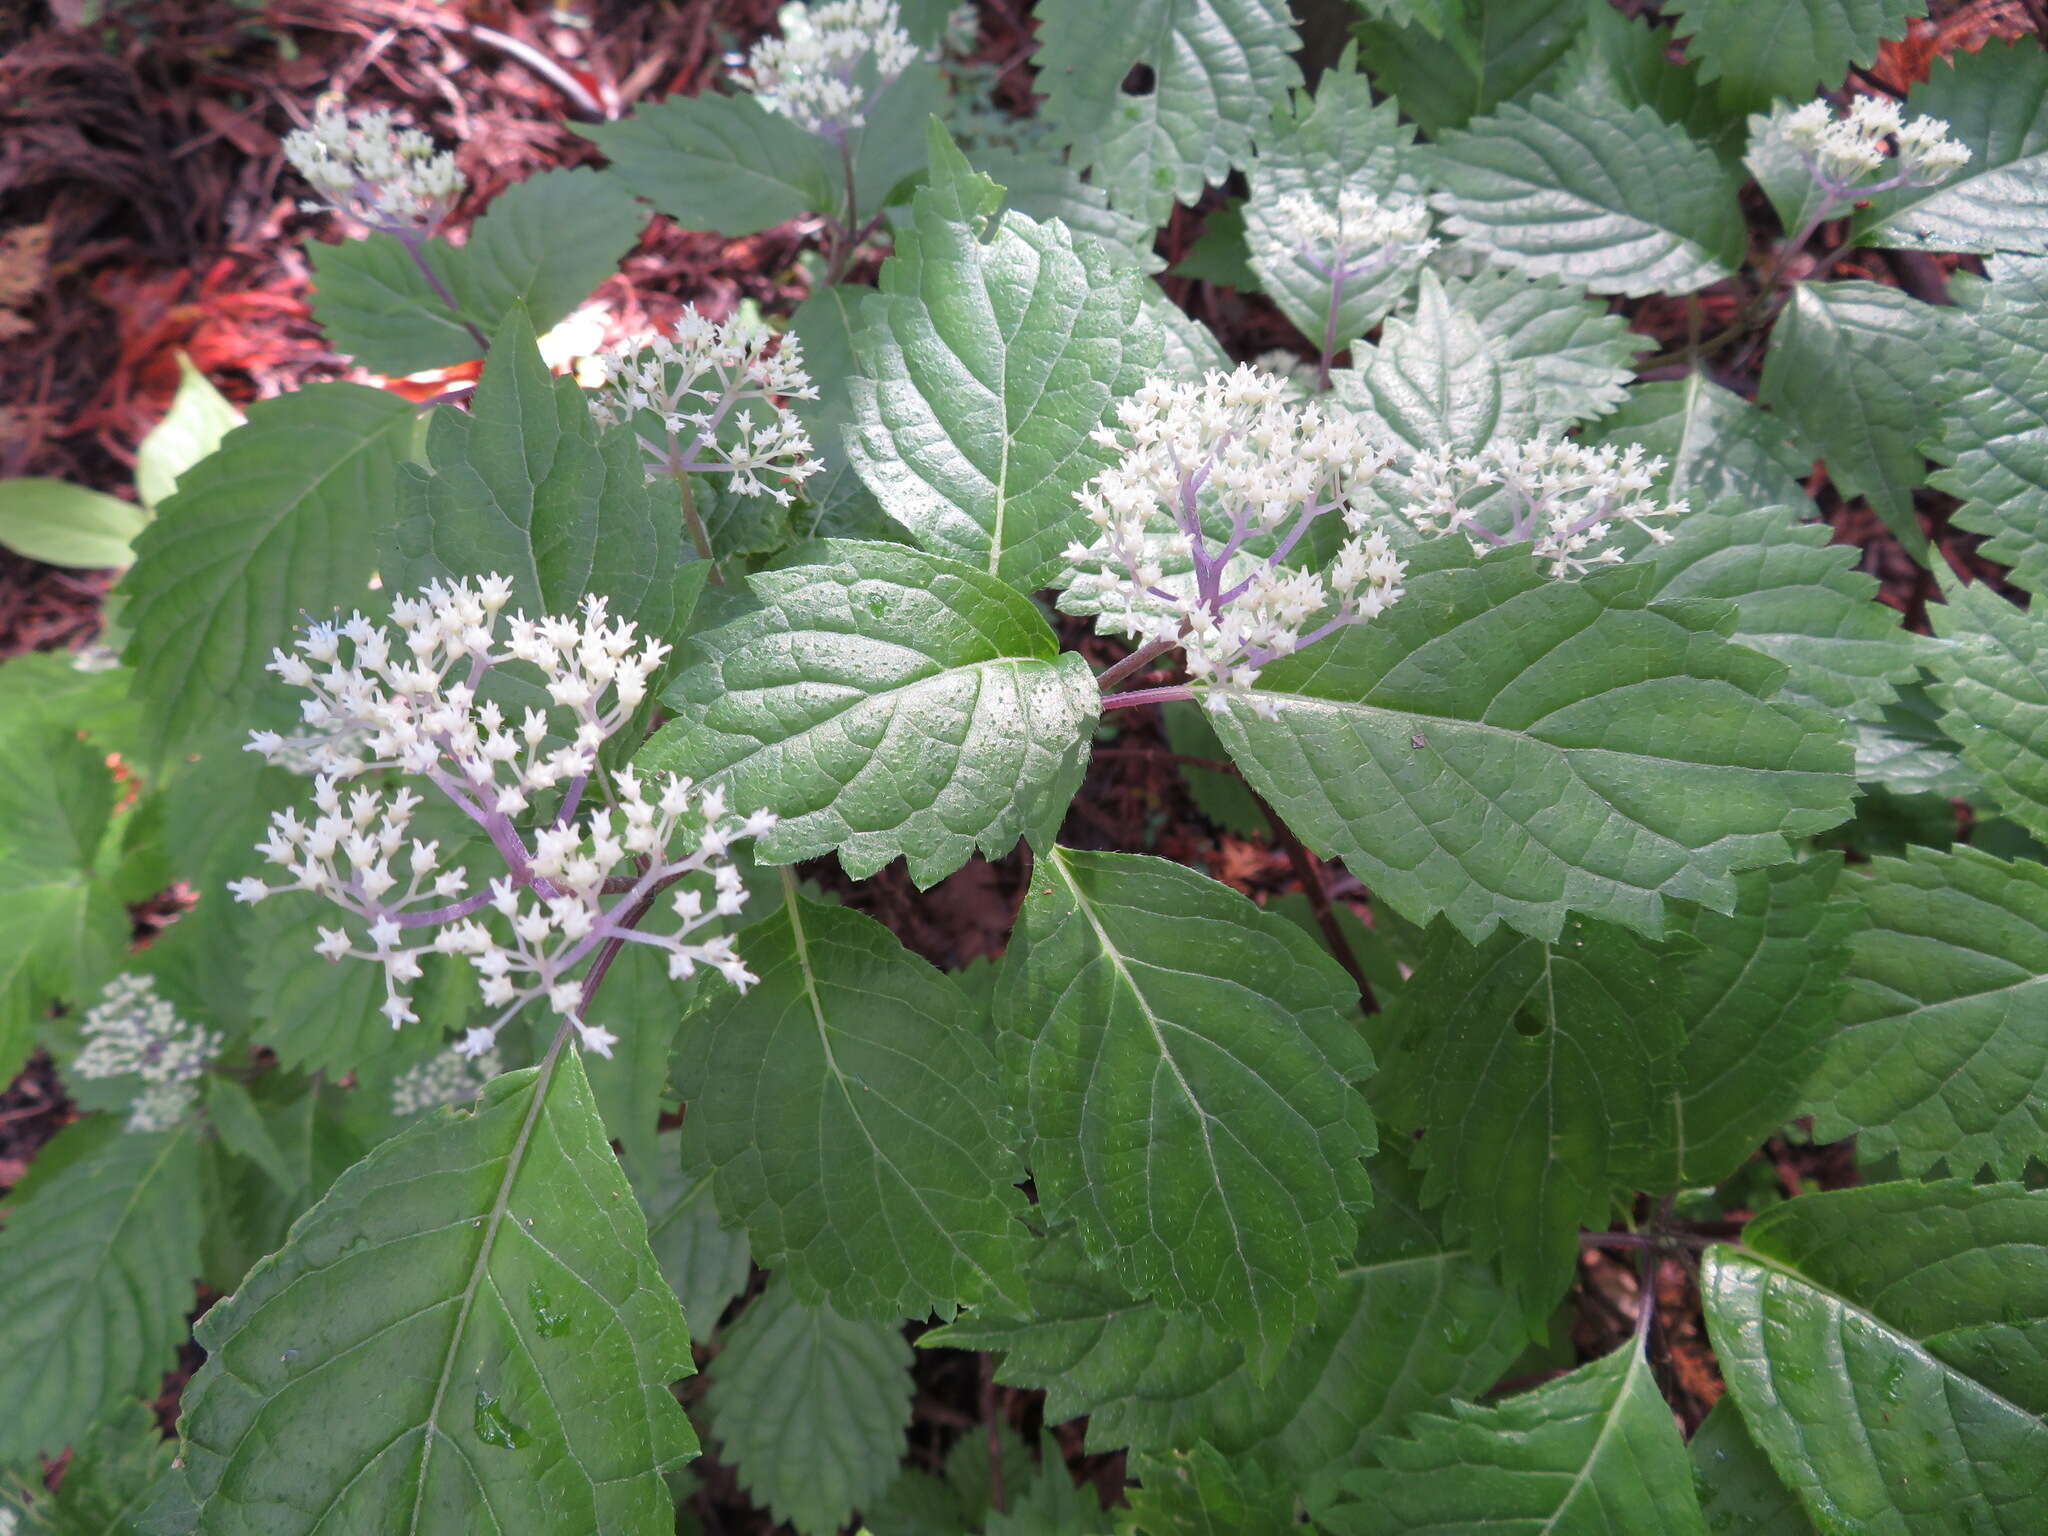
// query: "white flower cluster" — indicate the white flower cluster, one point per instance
point(1359, 236)
point(1218, 483)
point(699, 382)
point(449, 1078)
point(830, 63)
point(1565, 499)
point(134, 1031)
point(413, 706)
point(391, 180)
point(1843, 153)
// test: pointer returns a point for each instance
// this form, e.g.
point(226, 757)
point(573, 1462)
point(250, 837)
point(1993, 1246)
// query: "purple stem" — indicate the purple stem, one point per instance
point(1165, 695)
point(1330, 330)
point(447, 914)
point(413, 240)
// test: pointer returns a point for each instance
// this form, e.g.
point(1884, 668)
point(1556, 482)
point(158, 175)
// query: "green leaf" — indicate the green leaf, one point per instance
point(1798, 598)
point(468, 1320)
point(1851, 368)
point(1563, 357)
point(1432, 381)
point(1165, 1022)
point(826, 324)
point(810, 1408)
point(234, 1116)
point(97, 1259)
point(850, 1111)
point(1906, 751)
point(1626, 58)
point(884, 703)
point(198, 419)
point(705, 1264)
point(542, 245)
point(1151, 1380)
point(59, 523)
point(1758, 1001)
point(1611, 199)
point(1579, 748)
point(1483, 52)
point(1719, 446)
point(1885, 1347)
point(1994, 694)
point(1594, 1453)
point(1538, 1072)
point(1995, 101)
point(282, 521)
point(1046, 190)
point(1218, 66)
point(109, 1481)
point(1791, 48)
point(1993, 440)
point(1782, 172)
point(1739, 1493)
point(719, 162)
point(1335, 141)
point(988, 357)
point(1942, 1056)
point(1220, 255)
point(1200, 1492)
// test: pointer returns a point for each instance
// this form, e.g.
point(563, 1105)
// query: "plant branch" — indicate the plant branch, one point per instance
point(1137, 661)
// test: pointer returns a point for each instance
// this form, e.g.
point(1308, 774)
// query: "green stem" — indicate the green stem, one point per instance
point(698, 536)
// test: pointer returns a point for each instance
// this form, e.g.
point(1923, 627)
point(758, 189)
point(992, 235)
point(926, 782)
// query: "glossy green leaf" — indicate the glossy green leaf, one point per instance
point(988, 358)
point(1500, 747)
point(1594, 1453)
point(826, 324)
point(706, 1264)
point(1718, 446)
point(883, 702)
point(1851, 367)
point(1993, 690)
point(199, 417)
point(109, 1483)
point(810, 1408)
point(468, 1320)
point(1993, 439)
point(1432, 381)
point(59, 523)
point(1789, 48)
point(719, 162)
point(1188, 1073)
point(1563, 358)
point(98, 1260)
point(1611, 199)
point(1481, 53)
point(1218, 66)
point(1905, 751)
point(850, 1111)
point(1739, 1493)
point(1942, 1056)
point(1885, 1345)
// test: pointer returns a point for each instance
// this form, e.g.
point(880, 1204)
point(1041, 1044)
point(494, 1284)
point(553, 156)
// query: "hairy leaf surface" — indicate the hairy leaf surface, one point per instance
point(1993, 429)
point(1994, 694)
point(1791, 48)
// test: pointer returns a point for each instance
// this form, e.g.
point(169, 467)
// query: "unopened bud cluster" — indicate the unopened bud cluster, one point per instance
point(1844, 153)
point(453, 1077)
point(133, 1031)
point(390, 179)
point(1218, 483)
point(830, 63)
point(1565, 500)
point(719, 394)
point(1357, 237)
point(572, 883)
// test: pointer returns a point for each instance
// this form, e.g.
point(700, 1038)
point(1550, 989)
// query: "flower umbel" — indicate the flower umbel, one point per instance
point(133, 1031)
point(830, 63)
point(390, 179)
point(699, 383)
point(1565, 499)
point(1357, 237)
point(1218, 484)
point(452, 1077)
point(573, 884)
point(1844, 153)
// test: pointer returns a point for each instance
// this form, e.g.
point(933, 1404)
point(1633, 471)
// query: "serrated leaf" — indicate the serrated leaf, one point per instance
point(826, 324)
point(469, 1319)
point(1739, 1493)
point(1851, 368)
point(1563, 357)
point(988, 357)
point(1790, 48)
point(1719, 446)
point(59, 523)
point(1799, 599)
point(883, 702)
point(1758, 1002)
point(1166, 1023)
point(1996, 102)
point(192, 428)
point(542, 245)
point(1200, 1492)
point(1624, 58)
point(1942, 1055)
point(282, 521)
point(810, 1408)
point(1046, 190)
point(1538, 1072)
point(719, 162)
point(1218, 66)
point(1905, 751)
point(1553, 770)
point(1884, 1345)
point(1483, 52)
point(1149, 1379)
point(1993, 439)
point(1994, 693)
point(98, 1259)
point(1318, 146)
point(1611, 199)
point(1191, 347)
point(1432, 381)
point(706, 1264)
point(850, 1112)
point(1594, 1453)
point(109, 1480)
